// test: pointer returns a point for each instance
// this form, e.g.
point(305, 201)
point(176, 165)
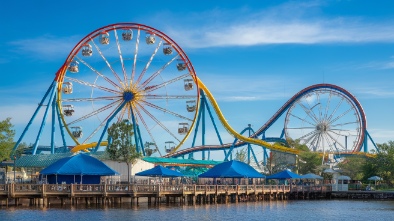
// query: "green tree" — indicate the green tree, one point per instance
point(121, 148)
point(6, 138)
point(307, 161)
point(241, 156)
point(353, 167)
point(383, 164)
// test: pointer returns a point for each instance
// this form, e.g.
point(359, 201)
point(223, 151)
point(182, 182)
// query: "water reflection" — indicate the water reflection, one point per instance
point(267, 210)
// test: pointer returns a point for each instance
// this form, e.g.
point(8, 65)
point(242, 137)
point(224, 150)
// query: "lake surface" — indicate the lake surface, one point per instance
point(274, 210)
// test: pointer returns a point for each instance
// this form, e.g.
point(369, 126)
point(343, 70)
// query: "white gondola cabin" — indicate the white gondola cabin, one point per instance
point(150, 39)
point(87, 50)
point(181, 66)
point(191, 105)
point(77, 132)
point(127, 35)
point(67, 88)
point(188, 84)
point(170, 146)
point(183, 128)
point(104, 38)
point(73, 67)
point(68, 110)
point(167, 49)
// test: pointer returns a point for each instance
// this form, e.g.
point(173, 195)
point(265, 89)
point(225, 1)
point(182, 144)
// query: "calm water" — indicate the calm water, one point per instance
point(274, 210)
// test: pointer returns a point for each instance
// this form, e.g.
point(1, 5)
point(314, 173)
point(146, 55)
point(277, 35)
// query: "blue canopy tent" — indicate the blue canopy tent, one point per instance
point(159, 171)
point(232, 169)
point(284, 175)
point(80, 168)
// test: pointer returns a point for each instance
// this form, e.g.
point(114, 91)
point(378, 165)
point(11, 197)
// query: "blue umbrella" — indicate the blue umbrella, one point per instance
point(159, 171)
point(311, 176)
point(284, 175)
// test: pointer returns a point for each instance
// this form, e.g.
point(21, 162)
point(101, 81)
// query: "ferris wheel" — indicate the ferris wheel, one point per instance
point(326, 119)
point(129, 72)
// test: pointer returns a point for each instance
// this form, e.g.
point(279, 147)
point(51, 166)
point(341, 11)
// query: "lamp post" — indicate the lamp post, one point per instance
point(14, 168)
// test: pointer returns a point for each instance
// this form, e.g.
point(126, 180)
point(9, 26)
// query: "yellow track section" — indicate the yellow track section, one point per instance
point(235, 133)
point(84, 147)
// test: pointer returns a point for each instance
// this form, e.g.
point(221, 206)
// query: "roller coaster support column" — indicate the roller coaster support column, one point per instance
point(201, 114)
point(366, 142)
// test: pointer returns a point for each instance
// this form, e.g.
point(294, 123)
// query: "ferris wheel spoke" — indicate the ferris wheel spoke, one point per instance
point(340, 116)
point(165, 110)
point(308, 134)
point(329, 143)
point(320, 106)
point(308, 112)
point(335, 110)
point(92, 85)
point(151, 96)
point(328, 105)
point(158, 122)
point(94, 112)
point(147, 81)
point(99, 74)
point(155, 87)
point(102, 123)
point(315, 142)
point(300, 128)
point(121, 58)
point(342, 124)
point(148, 63)
point(302, 119)
point(121, 115)
point(92, 99)
point(108, 64)
point(335, 141)
point(147, 129)
point(310, 138)
point(135, 56)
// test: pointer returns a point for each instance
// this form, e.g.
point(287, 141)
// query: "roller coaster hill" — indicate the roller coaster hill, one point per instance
point(134, 73)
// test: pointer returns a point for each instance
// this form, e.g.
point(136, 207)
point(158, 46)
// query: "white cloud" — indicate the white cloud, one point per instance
point(46, 47)
point(284, 24)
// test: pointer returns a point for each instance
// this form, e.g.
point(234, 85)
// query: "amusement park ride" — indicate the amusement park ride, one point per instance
point(135, 72)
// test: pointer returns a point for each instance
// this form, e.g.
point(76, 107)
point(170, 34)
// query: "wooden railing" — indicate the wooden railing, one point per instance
point(24, 190)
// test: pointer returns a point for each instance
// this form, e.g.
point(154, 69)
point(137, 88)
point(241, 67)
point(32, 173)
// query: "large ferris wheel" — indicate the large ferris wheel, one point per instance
point(128, 72)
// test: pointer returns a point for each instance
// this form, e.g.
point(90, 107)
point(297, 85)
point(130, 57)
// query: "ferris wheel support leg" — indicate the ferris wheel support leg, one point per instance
point(60, 125)
point(44, 118)
point(136, 132)
point(107, 124)
point(53, 125)
point(31, 119)
point(140, 140)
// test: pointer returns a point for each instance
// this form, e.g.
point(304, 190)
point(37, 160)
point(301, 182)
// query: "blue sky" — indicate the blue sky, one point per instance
point(252, 55)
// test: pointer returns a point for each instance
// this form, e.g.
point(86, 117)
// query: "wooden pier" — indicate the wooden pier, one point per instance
point(45, 194)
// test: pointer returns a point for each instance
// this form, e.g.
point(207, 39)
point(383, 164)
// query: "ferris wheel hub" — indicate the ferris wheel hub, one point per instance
point(128, 96)
point(322, 127)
